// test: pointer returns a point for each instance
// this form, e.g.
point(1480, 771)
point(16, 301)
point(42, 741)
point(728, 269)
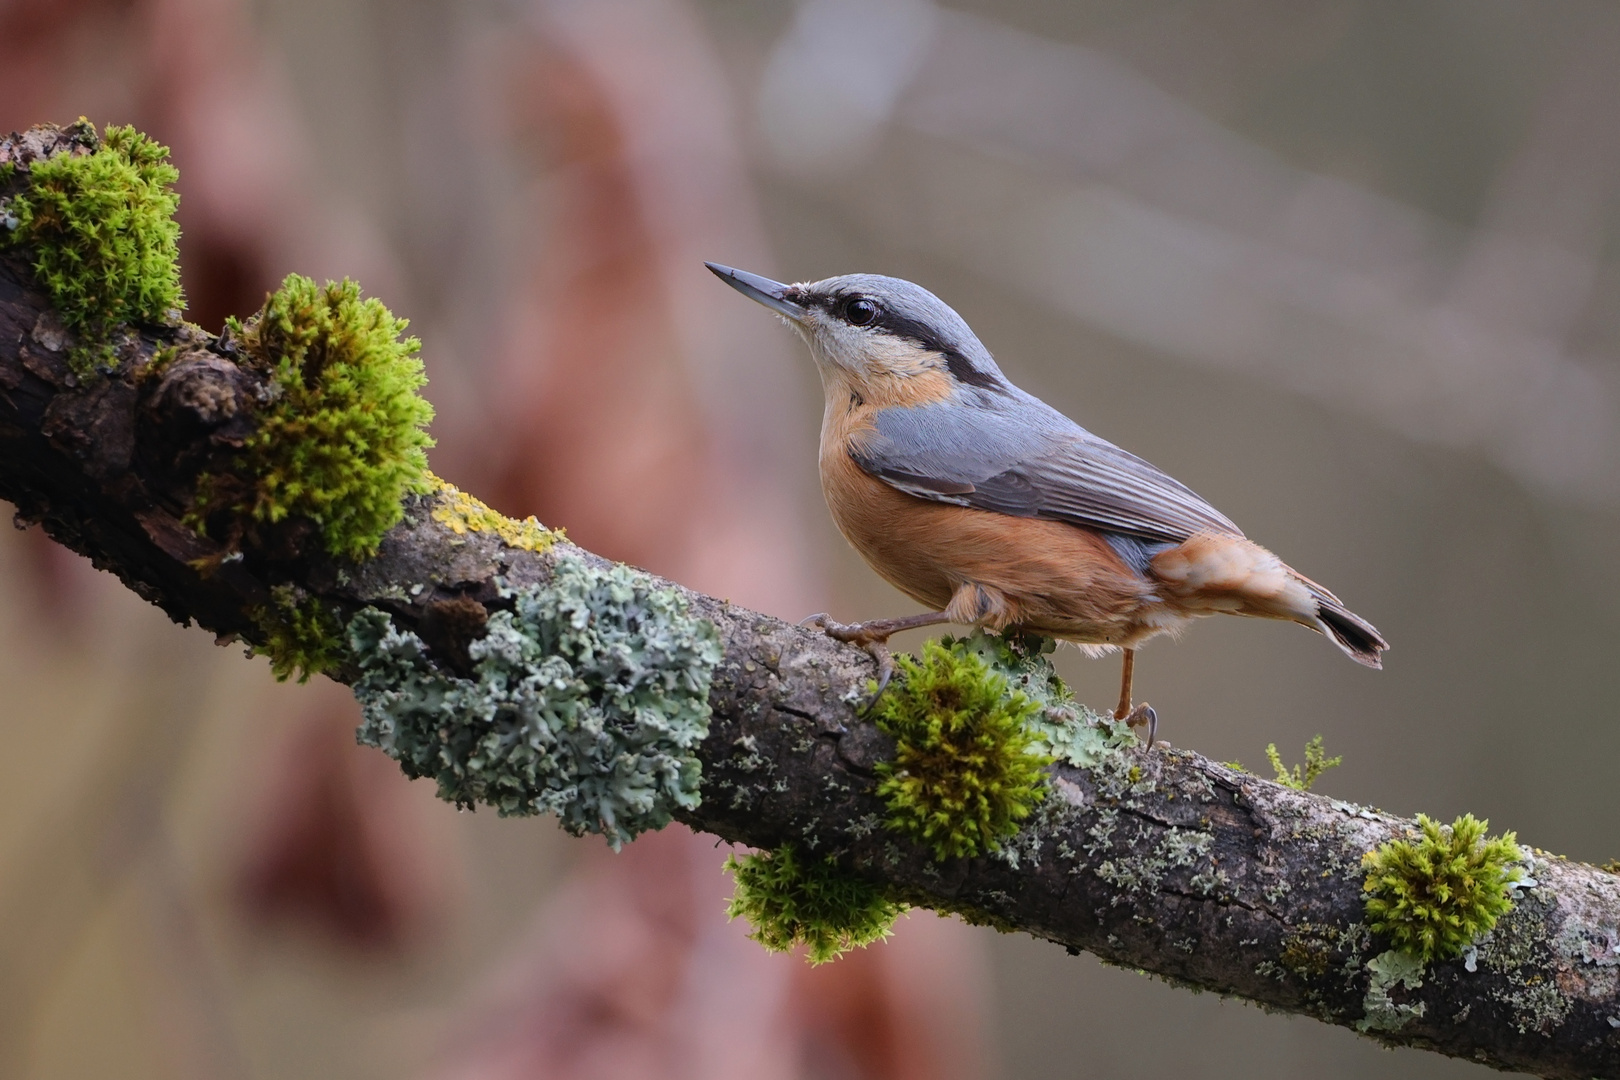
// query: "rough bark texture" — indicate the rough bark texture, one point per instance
point(1159, 860)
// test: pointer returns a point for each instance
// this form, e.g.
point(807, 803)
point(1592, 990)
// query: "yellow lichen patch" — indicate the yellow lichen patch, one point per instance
point(462, 514)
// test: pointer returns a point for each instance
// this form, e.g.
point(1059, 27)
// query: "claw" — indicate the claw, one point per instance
point(1144, 714)
point(885, 671)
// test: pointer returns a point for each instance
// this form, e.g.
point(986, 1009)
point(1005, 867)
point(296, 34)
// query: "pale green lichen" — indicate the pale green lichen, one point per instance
point(301, 633)
point(965, 770)
point(342, 439)
point(463, 514)
point(1537, 1004)
point(1082, 737)
point(99, 222)
point(1583, 942)
point(1513, 945)
point(1142, 869)
point(1300, 778)
point(1434, 896)
point(1518, 949)
point(1388, 972)
point(586, 700)
point(791, 899)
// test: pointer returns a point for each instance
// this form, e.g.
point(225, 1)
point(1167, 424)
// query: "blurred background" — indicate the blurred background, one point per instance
point(1349, 268)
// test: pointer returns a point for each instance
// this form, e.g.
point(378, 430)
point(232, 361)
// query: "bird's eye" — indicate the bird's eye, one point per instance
point(860, 312)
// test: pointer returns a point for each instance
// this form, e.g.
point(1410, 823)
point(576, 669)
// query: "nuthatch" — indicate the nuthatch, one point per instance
point(991, 508)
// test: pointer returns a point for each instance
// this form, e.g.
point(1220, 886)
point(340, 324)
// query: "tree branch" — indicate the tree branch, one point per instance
point(1160, 860)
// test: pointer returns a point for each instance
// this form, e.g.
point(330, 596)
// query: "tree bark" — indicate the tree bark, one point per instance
point(1156, 859)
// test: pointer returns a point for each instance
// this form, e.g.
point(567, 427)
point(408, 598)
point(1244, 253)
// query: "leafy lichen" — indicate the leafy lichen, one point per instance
point(1300, 778)
point(1387, 972)
point(99, 220)
point(1142, 867)
point(1434, 896)
point(462, 514)
point(586, 699)
point(966, 768)
point(301, 634)
point(794, 899)
point(341, 442)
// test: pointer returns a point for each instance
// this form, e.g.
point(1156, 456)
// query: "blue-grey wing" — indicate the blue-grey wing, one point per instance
point(1019, 456)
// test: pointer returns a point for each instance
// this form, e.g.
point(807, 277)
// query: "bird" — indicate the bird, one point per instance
point(993, 509)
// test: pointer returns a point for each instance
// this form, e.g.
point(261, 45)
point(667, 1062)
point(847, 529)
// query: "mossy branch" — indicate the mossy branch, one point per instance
point(746, 727)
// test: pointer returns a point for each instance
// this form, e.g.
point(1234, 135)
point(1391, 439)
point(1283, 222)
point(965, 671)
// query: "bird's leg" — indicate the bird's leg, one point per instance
point(873, 636)
point(1126, 674)
point(1140, 714)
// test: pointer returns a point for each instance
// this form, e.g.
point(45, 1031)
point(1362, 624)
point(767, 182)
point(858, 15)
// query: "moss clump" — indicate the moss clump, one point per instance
point(966, 769)
point(791, 899)
point(1308, 950)
point(100, 221)
point(462, 514)
point(1435, 896)
point(586, 699)
point(341, 442)
point(1060, 728)
point(301, 634)
point(1301, 778)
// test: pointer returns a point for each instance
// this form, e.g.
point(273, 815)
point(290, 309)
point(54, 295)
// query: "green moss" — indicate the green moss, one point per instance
point(792, 899)
point(100, 222)
point(1301, 778)
point(1060, 728)
point(163, 358)
point(462, 514)
point(342, 441)
point(966, 768)
point(1308, 950)
point(1435, 896)
point(301, 633)
point(586, 699)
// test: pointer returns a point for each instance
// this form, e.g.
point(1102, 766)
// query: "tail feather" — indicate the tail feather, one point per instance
point(1211, 573)
point(1359, 639)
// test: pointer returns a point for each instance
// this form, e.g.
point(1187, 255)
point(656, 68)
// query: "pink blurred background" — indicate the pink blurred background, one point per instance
point(1349, 268)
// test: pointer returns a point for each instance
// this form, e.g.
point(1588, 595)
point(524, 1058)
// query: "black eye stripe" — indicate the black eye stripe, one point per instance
point(964, 372)
point(961, 369)
point(913, 330)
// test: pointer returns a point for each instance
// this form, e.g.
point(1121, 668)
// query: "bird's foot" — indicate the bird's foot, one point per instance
point(855, 633)
point(1143, 714)
point(873, 636)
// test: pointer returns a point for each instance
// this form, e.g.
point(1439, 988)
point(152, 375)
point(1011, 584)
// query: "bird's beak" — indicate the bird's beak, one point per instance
point(773, 294)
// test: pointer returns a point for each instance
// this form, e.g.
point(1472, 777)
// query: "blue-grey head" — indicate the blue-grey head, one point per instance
point(865, 326)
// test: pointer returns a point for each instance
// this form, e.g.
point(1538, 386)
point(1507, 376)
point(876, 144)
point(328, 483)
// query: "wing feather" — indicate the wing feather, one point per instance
point(1019, 456)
